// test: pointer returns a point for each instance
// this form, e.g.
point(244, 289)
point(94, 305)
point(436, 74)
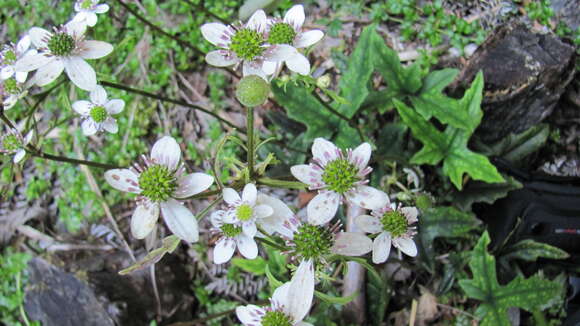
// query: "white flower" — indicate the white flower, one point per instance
point(280, 214)
point(290, 302)
point(159, 183)
point(392, 223)
point(245, 43)
point(231, 236)
point(87, 11)
point(97, 112)
point(12, 143)
point(10, 92)
point(244, 210)
point(289, 31)
point(337, 176)
point(11, 54)
point(65, 49)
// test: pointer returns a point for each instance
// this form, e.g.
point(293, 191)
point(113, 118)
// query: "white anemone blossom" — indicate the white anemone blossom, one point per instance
point(159, 184)
point(87, 11)
point(392, 223)
point(337, 176)
point(97, 113)
point(12, 143)
point(244, 43)
point(289, 304)
point(289, 31)
point(12, 53)
point(232, 236)
point(244, 210)
point(10, 92)
point(64, 49)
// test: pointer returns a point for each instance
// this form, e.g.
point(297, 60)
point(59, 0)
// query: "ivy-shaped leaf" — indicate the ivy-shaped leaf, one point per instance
point(530, 250)
point(477, 192)
point(531, 293)
point(169, 245)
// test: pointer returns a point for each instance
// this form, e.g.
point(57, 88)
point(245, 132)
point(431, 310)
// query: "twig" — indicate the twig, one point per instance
point(413, 313)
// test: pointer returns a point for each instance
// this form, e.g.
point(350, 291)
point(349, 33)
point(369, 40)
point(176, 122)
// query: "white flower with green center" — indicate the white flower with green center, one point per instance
point(160, 183)
point(87, 11)
point(11, 54)
point(289, 304)
point(97, 113)
point(244, 43)
point(11, 91)
point(244, 210)
point(393, 226)
point(289, 31)
point(12, 143)
point(64, 49)
point(232, 236)
point(338, 176)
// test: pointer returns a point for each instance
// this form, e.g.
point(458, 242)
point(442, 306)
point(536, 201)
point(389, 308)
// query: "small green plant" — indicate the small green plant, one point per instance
point(12, 279)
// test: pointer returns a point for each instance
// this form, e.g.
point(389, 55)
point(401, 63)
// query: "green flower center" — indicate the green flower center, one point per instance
point(98, 113)
point(395, 223)
point(312, 241)
point(244, 212)
point(281, 33)
point(61, 44)
point(11, 87)
point(276, 318)
point(157, 183)
point(9, 57)
point(11, 143)
point(247, 44)
point(87, 4)
point(340, 175)
point(231, 230)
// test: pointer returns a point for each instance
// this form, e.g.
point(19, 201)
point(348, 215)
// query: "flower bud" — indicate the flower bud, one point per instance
point(323, 81)
point(252, 91)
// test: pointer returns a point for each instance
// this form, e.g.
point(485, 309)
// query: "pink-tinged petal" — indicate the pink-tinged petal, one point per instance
point(368, 224)
point(215, 33)
point(124, 180)
point(39, 36)
point(115, 106)
point(224, 250)
point(82, 107)
point(306, 39)
point(352, 244)
point(322, 208)
point(301, 291)
point(411, 213)
point(247, 246)
point(102, 8)
point(23, 44)
point(280, 295)
point(110, 125)
point(270, 67)
point(95, 49)
point(249, 194)
point(258, 21)
point(295, 16)
point(76, 29)
point(279, 52)
point(192, 184)
point(231, 196)
point(324, 151)
point(80, 73)
point(253, 68)
point(89, 127)
point(306, 174)
point(48, 73)
point(32, 62)
point(180, 220)
point(262, 211)
point(221, 58)
point(275, 222)
point(381, 248)
point(19, 156)
point(217, 218)
point(367, 197)
point(144, 220)
point(406, 245)
point(249, 229)
point(98, 95)
point(361, 155)
point(250, 315)
point(299, 64)
point(166, 152)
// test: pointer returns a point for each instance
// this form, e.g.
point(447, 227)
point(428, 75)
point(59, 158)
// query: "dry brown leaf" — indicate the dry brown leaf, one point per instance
point(427, 310)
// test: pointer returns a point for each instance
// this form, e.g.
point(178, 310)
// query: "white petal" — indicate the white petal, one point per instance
point(224, 250)
point(306, 39)
point(281, 212)
point(82, 107)
point(257, 21)
point(19, 156)
point(303, 323)
point(115, 106)
point(38, 37)
point(80, 73)
point(21, 76)
point(144, 220)
point(306, 174)
point(79, 17)
point(110, 125)
point(352, 244)
point(249, 228)
point(48, 73)
point(253, 68)
point(28, 137)
point(75, 29)
point(231, 196)
point(102, 8)
point(299, 64)
point(221, 58)
point(367, 197)
point(261, 211)
point(295, 16)
point(322, 208)
point(216, 218)
point(7, 72)
point(192, 184)
point(95, 49)
point(324, 151)
point(90, 127)
point(270, 67)
point(180, 220)
point(23, 44)
point(280, 295)
point(249, 194)
point(301, 291)
point(98, 95)
point(361, 155)
point(368, 224)
point(247, 246)
point(250, 315)
point(381, 248)
point(406, 245)
point(32, 62)
point(91, 19)
point(166, 151)
point(215, 33)
point(411, 213)
point(279, 52)
point(123, 179)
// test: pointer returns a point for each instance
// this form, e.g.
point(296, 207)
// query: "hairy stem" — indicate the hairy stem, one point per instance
point(250, 145)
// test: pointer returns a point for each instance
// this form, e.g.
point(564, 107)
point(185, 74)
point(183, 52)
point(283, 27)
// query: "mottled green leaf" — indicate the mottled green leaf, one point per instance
point(444, 108)
point(477, 192)
point(168, 246)
point(530, 250)
point(436, 81)
point(515, 147)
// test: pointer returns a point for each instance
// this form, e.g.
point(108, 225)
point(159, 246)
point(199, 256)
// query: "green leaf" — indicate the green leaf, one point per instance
point(444, 108)
point(530, 250)
point(532, 293)
point(476, 192)
point(255, 266)
point(335, 300)
point(436, 81)
point(515, 147)
point(169, 245)
point(274, 283)
point(412, 79)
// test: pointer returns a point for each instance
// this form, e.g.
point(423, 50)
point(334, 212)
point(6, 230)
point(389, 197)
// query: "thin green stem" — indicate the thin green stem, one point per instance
point(21, 306)
point(281, 183)
point(250, 142)
point(272, 244)
point(206, 210)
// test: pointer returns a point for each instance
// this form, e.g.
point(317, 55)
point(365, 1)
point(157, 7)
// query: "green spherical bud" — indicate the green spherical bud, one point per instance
point(323, 81)
point(312, 241)
point(11, 86)
point(252, 91)
point(395, 223)
point(157, 183)
point(281, 33)
point(231, 230)
point(98, 113)
point(9, 57)
point(61, 44)
point(424, 201)
point(11, 143)
point(276, 318)
point(247, 44)
point(340, 175)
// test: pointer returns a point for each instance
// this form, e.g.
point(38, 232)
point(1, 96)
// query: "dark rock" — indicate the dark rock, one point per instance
point(567, 11)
